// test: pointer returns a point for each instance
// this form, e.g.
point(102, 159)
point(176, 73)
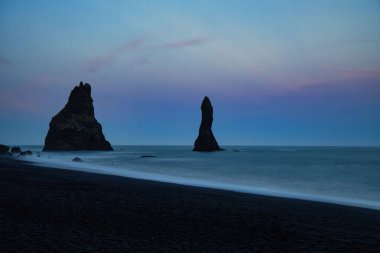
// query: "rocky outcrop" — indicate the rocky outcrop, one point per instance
point(25, 153)
point(206, 140)
point(77, 159)
point(4, 149)
point(15, 150)
point(75, 126)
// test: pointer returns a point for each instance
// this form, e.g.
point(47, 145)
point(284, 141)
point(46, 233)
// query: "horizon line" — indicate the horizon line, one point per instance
point(231, 145)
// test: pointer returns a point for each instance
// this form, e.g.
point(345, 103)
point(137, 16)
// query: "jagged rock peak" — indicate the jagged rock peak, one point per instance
point(80, 100)
point(206, 140)
point(75, 126)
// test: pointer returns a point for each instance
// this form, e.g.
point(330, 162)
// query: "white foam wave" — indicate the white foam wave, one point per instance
point(92, 168)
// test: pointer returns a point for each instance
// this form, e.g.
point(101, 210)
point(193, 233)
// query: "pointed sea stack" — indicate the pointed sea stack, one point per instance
point(206, 140)
point(75, 126)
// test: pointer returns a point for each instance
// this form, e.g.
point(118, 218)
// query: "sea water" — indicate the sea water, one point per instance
point(341, 175)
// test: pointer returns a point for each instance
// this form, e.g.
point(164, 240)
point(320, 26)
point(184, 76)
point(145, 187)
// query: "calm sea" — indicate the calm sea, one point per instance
point(342, 175)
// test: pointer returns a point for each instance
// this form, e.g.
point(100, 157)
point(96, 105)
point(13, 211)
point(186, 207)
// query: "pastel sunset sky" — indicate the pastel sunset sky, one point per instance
point(285, 72)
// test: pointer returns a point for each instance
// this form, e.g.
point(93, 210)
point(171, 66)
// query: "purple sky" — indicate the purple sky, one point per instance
point(277, 72)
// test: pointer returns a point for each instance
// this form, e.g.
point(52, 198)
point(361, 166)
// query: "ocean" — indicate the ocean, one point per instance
point(340, 175)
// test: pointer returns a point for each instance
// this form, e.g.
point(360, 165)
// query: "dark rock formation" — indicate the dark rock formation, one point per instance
point(206, 140)
point(15, 150)
point(75, 126)
point(4, 149)
point(24, 153)
point(77, 159)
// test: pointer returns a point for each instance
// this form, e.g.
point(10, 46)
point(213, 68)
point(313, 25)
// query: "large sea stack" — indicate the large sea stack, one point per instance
point(75, 126)
point(206, 140)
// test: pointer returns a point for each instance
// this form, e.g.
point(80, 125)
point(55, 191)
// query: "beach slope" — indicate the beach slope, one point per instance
point(53, 210)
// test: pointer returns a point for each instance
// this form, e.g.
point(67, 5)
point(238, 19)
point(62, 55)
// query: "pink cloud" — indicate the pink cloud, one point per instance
point(34, 95)
point(17, 103)
point(364, 72)
point(100, 62)
point(182, 43)
point(4, 61)
point(349, 73)
point(136, 62)
point(349, 41)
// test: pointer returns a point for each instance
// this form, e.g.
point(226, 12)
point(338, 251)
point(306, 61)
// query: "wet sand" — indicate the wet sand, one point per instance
point(52, 210)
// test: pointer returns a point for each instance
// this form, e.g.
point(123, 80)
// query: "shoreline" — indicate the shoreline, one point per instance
point(65, 210)
point(201, 183)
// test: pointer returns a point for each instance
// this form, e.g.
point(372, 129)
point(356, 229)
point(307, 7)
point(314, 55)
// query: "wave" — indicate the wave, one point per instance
point(130, 173)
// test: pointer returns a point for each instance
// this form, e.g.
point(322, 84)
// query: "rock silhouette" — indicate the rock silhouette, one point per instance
point(77, 159)
point(15, 150)
point(4, 149)
point(25, 153)
point(206, 140)
point(75, 126)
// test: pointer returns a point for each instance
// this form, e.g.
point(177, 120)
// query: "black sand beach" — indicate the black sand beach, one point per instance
point(52, 210)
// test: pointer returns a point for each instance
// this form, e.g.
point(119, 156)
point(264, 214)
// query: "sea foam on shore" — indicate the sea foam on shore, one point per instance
point(334, 175)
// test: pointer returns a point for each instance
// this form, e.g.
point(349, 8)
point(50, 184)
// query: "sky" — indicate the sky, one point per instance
point(278, 72)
